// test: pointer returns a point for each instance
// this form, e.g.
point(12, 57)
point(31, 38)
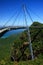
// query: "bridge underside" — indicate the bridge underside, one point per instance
point(1, 34)
point(9, 29)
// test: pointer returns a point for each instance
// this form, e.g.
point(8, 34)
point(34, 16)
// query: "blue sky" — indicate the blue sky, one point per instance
point(13, 7)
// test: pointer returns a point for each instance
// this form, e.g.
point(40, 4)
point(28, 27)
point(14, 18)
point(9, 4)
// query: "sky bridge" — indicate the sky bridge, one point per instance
point(5, 28)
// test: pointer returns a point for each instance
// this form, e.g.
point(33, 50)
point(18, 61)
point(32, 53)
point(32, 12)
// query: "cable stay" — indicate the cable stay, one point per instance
point(17, 14)
point(29, 14)
point(8, 20)
point(32, 19)
point(16, 18)
point(35, 14)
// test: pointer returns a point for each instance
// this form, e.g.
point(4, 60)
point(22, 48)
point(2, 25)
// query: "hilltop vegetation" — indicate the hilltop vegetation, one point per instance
point(6, 46)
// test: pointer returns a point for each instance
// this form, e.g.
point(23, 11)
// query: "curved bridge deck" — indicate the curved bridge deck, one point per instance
point(3, 30)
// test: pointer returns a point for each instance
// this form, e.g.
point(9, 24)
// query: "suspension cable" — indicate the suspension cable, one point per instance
point(8, 20)
point(16, 17)
point(25, 14)
point(32, 19)
point(29, 14)
point(35, 14)
point(11, 18)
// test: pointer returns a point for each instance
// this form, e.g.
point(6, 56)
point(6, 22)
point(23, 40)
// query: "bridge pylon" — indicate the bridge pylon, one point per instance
point(28, 32)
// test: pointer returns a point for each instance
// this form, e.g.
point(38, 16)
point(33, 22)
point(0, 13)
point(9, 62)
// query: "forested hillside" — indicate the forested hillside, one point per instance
point(16, 42)
point(36, 33)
